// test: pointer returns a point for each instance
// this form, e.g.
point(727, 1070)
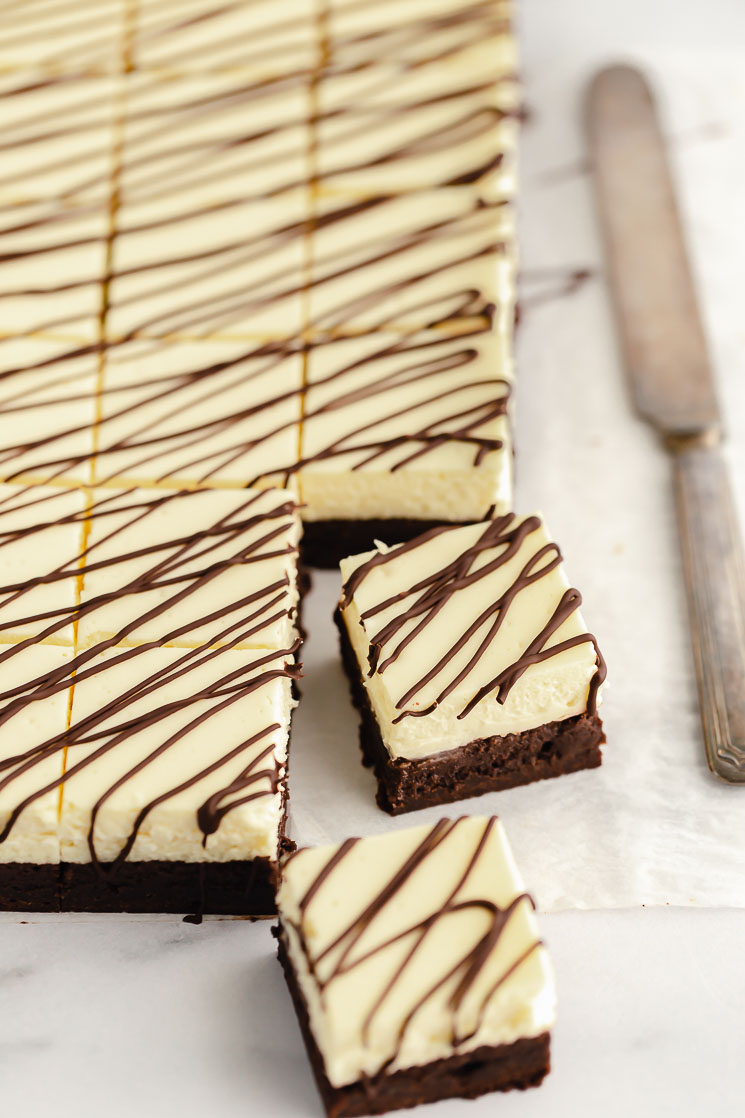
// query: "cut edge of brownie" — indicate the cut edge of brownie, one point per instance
point(29, 886)
point(238, 888)
point(234, 888)
point(326, 542)
point(485, 765)
point(505, 1067)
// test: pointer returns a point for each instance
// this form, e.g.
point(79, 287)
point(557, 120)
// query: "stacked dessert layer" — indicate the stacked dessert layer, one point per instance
point(252, 244)
point(469, 662)
point(415, 967)
point(148, 645)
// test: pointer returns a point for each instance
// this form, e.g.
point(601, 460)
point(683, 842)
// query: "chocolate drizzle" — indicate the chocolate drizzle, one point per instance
point(418, 88)
point(255, 530)
point(416, 248)
point(500, 541)
point(464, 964)
point(451, 404)
point(131, 220)
point(157, 429)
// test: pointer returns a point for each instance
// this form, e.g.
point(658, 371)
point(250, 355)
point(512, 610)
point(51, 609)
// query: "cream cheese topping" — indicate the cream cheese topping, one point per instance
point(410, 261)
point(162, 741)
point(474, 633)
point(163, 625)
point(30, 776)
point(257, 37)
point(47, 410)
point(57, 136)
point(189, 413)
point(42, 533)
point(228, 135)
point(195, 267)
point(53, 269)
point(407, 426)
point(413, 946)
point(191, 568)
point(448, 117)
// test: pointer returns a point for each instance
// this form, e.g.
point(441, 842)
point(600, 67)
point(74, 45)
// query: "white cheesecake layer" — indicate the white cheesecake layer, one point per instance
point(452, 116)
point(191, 568)
point(373, 407)
point(552, 690)
point(58, 134)
point(41, 544)
point(410, 260)
point(47, 410)
point(209, 412)
point(230, 135)
point(390, 1008)
point(256, 36)
point(52, 277)
point(411, 30)
point(26, 772)
point(199, 268)
point(155, 734)
point(64, 38)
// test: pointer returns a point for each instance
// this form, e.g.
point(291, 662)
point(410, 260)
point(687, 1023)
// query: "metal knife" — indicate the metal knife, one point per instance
point(671, 375)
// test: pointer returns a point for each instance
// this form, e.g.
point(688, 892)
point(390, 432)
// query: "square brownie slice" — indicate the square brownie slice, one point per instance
point(415, 967)
point(147, 699)
point(469, 662)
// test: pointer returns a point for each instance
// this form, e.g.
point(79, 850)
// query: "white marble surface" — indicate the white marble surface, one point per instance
point(121, 1016)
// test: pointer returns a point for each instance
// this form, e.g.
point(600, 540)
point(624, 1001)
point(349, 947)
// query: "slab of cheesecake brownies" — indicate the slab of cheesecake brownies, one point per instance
point(412, 274)
point(148, 646)
point(210, 280)
point(469, 662)
point(415, 967)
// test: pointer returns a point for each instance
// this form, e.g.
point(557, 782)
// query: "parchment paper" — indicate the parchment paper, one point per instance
point(651, 826)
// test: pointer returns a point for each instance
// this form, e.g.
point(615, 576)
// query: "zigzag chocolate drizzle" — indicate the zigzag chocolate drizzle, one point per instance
point(403, 249)
point(438, 416)
point(450, 413)
point(185, 564)
point(383, 61)
point(79, 35)
point(423, 38)
point(282, 42)
point(341, 955)
point(79, 122)
point(501, 539)
point(262, 772)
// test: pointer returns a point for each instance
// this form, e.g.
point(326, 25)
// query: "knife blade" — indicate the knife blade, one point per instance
point(672, 379)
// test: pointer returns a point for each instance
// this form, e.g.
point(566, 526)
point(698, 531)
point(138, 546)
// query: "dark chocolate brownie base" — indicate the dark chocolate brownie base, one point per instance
point(222, 888)
point(199, 888)
point(486, 765)
point(326, 542)
point(502, 1068)
point(26, 887)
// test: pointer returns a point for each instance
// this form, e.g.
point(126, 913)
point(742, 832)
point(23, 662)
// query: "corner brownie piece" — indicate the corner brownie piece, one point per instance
point(148, 643)
point(415, 967)
point(469, 662)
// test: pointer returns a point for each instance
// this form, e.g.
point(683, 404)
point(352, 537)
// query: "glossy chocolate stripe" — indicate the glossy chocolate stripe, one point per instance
point(224, 692)
point(502, 537)
point(467, 968)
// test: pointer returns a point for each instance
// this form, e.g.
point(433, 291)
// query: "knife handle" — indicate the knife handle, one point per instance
point(714, 571)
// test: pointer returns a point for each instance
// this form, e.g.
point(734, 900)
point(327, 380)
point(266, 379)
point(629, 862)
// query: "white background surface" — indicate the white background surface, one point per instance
point(123, 1016)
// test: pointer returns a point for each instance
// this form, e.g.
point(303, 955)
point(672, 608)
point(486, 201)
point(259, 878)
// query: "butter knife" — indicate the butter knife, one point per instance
point(671, 376)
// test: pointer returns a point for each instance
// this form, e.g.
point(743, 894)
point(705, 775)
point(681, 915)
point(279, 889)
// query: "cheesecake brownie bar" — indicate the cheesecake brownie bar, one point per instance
point(469, 662)
point(402, 432)
point(415, 967)
point(148, 642)
point(413, 244)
